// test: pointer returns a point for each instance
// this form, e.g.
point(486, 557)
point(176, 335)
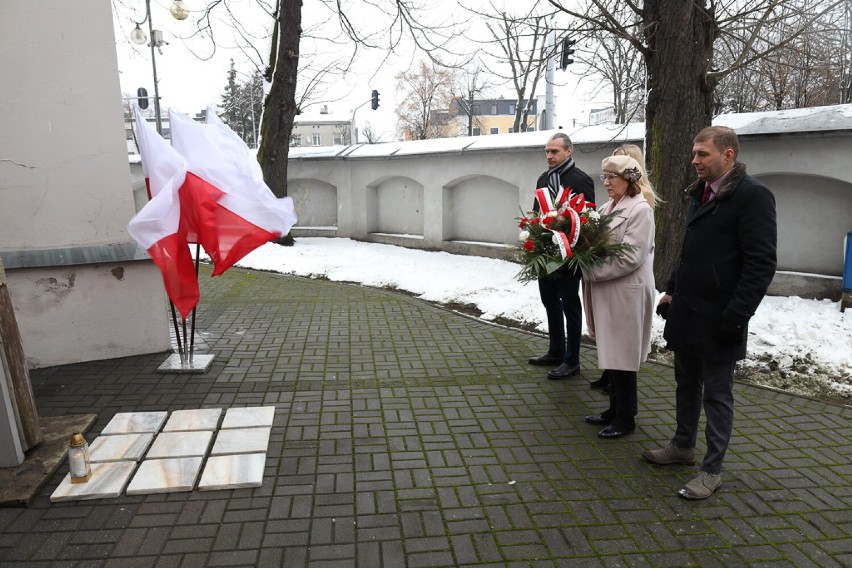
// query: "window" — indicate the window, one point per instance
point(493, 109)
point(495, 131)
point(477, 132)
point(316, 140)
point(512, 108)
point(296, 140)
point(338, 140)
point(511, 130)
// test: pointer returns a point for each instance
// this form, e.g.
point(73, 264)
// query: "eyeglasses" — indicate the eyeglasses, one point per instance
point(605, 177)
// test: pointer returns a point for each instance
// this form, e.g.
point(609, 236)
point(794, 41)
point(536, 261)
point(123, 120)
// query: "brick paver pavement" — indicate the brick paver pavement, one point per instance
point(407, 435)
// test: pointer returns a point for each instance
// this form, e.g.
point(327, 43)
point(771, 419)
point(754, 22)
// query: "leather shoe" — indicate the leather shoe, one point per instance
point(545, 360)
point(601, 419)
point(615, 431)
point(563, 371)
point(701, 486)
point(601, 383)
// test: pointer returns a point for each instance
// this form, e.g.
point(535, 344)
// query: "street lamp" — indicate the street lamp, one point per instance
point(180, 12)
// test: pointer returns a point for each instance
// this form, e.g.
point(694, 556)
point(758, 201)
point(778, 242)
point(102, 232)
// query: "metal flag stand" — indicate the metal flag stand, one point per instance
point(185, 360)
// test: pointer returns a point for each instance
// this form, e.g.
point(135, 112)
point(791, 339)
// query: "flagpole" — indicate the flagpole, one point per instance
point(192, 329)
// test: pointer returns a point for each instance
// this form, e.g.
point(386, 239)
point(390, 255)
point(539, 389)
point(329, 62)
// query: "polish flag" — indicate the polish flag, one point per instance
point(158, 227)
point(234, 210)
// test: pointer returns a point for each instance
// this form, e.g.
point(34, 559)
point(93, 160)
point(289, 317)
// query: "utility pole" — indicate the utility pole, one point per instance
point(548, 122)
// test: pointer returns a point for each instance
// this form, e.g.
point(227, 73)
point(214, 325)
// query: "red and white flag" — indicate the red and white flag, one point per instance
point(234, 211)
point(159, 227)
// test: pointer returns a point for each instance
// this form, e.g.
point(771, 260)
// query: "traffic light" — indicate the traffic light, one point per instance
point(375, 103)
point(567, 52)
point(142, 93)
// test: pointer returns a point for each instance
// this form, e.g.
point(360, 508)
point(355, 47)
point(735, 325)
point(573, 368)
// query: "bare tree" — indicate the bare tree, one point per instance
point(387, 25)
point(620, 65)
point(523, 42)
point(370, 135)
point(676, 40)
point(469, 86)
point(423, 107)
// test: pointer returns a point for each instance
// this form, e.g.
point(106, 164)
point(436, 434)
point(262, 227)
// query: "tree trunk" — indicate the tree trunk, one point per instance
point(279, 108)
point(680, 51)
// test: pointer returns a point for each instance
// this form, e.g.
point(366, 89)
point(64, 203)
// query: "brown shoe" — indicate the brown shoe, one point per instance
point(701, 486)
point(670, 454)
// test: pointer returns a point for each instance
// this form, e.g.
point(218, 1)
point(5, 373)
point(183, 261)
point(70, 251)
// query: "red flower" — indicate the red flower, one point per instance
point(583, 220)
point(547, 221)
point(535, 221)
point(523, 222)
point(529, 246)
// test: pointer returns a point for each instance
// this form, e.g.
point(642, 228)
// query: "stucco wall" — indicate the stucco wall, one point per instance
point(475, 194)
point(65, 192)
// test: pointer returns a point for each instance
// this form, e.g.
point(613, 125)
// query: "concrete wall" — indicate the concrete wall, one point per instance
point(447, 196)
point(80, 288)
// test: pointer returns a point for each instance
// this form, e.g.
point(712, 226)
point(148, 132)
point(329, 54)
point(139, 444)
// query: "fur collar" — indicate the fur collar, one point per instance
point(734, 178)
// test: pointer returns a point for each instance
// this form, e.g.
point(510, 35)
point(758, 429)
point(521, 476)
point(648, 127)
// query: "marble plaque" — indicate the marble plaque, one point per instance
point(241, 441)
point(135, 422)
point(180, 444)
point(249, 417)
point(232, 472)
point(165, 476)
point(107, 482)
point(120, 447)
point(197, 419)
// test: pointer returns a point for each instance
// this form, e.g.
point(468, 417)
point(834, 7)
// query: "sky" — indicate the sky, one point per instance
point(188, 83)
point(803, 340)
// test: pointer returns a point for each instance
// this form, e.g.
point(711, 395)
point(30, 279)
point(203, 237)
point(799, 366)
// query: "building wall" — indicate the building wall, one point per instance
point(325, 130)
point(80, 288)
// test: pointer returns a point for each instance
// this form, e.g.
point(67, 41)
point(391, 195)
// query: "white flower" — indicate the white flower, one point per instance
point(552, 214)
point(555, 239)
point(524, 235)
point(593, 215)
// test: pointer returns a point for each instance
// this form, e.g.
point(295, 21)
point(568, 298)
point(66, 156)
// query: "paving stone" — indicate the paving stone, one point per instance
point(395, 429)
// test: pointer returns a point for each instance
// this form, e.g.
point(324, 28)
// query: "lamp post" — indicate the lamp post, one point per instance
point(180, 12)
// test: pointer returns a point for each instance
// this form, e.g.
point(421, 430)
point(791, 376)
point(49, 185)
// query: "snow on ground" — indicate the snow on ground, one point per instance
point(804, 346)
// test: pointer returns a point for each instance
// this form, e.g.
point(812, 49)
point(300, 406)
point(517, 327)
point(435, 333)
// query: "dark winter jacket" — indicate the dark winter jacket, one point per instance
point(726, 265)
point(575, 178)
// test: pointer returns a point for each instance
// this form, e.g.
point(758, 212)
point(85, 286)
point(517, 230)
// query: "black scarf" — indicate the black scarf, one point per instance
point(554, 181)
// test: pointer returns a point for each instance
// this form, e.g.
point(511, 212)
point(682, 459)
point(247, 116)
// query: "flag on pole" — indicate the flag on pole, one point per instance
point(159, 227)
point(234, 210)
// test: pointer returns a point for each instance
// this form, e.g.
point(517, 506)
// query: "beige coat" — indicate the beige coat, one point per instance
point(619, 295)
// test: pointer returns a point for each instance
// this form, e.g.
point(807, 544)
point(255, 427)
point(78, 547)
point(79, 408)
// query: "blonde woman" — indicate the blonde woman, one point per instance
point(635, 152)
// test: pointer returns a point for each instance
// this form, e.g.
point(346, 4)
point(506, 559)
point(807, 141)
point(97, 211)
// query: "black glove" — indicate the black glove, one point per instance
point(729, 332)
point(663, 309)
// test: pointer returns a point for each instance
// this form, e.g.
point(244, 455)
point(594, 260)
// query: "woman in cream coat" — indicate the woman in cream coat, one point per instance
point(619, 295)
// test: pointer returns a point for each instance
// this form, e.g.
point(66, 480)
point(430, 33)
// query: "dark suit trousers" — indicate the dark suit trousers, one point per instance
point(561, 299)
point(711, 383)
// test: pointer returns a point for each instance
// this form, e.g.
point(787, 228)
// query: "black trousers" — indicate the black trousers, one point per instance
point(710, 383)
point(561, 299)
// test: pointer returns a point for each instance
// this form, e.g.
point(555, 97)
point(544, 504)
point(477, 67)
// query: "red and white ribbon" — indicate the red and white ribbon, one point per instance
point(567, 242)
point(545, 201)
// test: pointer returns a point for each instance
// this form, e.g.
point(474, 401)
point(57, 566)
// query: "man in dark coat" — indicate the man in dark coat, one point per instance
point(725, 267)
point(560, 291)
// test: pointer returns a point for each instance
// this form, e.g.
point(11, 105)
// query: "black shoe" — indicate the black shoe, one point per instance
point(545, 360)
point(599, 419)
point(563, 371)
point(615, 431)
point(601, 383)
